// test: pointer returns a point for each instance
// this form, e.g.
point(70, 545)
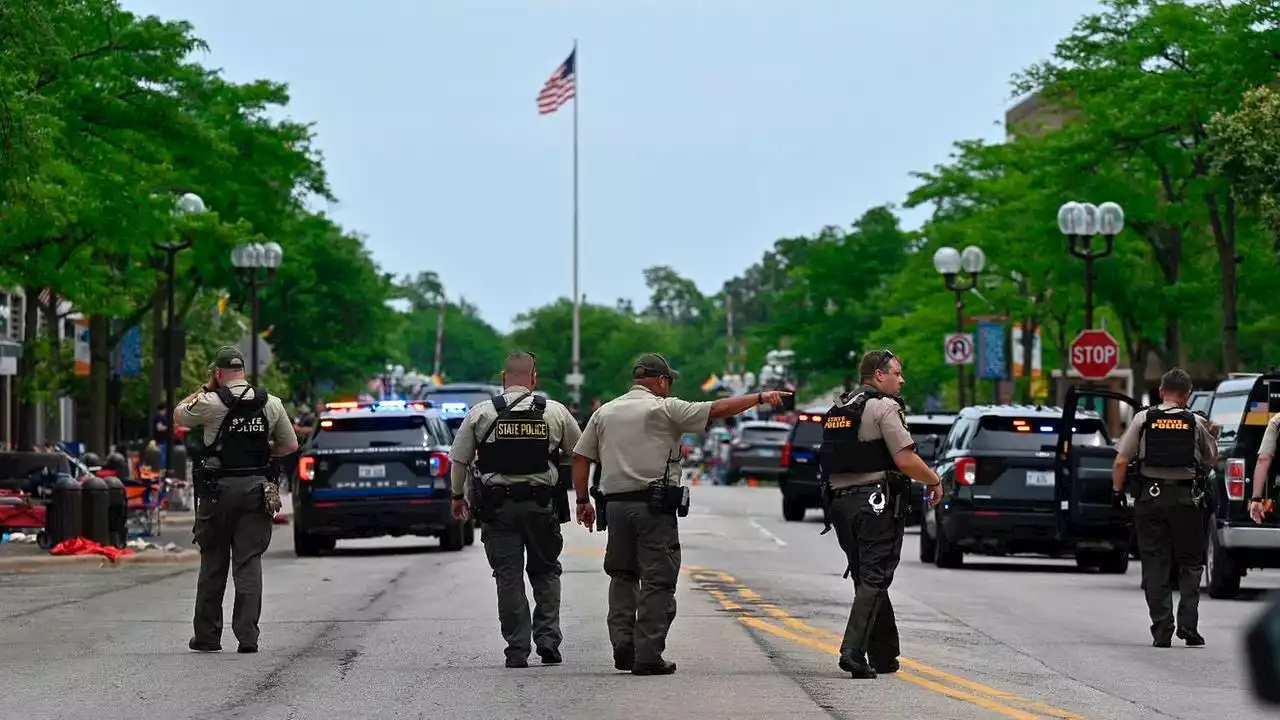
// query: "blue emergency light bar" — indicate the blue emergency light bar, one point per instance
point(453, 409)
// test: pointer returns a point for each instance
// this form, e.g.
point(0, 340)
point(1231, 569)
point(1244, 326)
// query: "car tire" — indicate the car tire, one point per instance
point(1221, 573)
point(469, 533)
point(946, 555)
point(453, 538)
point(928, 546)
point(1114, 562)
point(304, 543)
point(793, 508)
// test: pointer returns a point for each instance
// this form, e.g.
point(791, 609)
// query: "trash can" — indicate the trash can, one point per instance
point(96, 501)
point(63, 517)
point(117, 512)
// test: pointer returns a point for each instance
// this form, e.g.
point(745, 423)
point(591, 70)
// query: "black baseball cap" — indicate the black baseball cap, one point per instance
point(653, 365)
point(228, 357)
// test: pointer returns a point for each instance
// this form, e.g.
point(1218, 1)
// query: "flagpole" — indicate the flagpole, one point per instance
point(577, 299)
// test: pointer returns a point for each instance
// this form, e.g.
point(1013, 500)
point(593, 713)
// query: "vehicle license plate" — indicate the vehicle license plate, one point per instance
point(373, 471)
point(1039, 478)
point(768, 452)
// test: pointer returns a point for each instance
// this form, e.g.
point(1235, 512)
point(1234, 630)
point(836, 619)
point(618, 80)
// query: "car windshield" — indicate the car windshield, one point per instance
point(808, 433)
point(765, 435)
point(1227, 411)
point(1032, 434)
point(365, 432)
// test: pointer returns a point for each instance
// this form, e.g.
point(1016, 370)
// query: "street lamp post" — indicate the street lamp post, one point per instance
point(1080, 222)
point(949, 262)
point(188, 204)
point(249, 259)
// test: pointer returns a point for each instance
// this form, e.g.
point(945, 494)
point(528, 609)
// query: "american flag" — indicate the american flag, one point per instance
point(560, 86)
point(46, 296)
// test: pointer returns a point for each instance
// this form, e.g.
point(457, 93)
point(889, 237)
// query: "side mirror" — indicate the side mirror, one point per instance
point(1202, 414)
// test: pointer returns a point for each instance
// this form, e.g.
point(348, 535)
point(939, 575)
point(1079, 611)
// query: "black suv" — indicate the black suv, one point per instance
point(375, 469)
point(799, 483)
point(1242, 406)
point(1001, 490)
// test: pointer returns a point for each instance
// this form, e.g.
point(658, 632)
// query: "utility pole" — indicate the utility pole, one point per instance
point(435, 372)
point(729, 344)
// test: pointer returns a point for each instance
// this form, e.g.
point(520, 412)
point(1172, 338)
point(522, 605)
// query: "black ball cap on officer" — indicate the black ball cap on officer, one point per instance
point(635, 439)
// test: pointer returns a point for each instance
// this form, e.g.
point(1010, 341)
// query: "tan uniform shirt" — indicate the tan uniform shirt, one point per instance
point(562, 433)
point(882, 418)
point(206, 411)
point(1268, 446)
point(636, 438)
point(1131, 447)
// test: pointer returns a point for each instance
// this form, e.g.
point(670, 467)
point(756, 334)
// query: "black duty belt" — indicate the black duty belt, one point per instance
point(1168, 481)
point(841, 492)
point(520, 492)
point(633, 496)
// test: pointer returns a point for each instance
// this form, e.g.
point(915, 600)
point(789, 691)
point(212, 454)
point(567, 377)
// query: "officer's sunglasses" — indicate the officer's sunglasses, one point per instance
point(885, 357)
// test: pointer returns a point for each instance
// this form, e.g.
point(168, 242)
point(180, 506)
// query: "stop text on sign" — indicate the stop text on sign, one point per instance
point(1094, 354)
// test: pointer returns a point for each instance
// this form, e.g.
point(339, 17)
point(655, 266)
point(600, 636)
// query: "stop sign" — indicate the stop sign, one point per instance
point(1094, 354)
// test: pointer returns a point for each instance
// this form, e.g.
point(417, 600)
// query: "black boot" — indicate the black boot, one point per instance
point(624, 657)
point(855, 664)
point(1192, 637)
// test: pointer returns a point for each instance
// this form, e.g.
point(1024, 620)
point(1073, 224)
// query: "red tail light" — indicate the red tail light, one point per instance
point(786, 454)
point(966, 471)
point(439, 465)
point(306, 468)
point(1235, 479)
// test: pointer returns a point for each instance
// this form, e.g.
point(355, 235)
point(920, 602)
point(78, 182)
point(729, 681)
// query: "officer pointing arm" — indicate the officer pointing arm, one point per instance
point(1266, 451)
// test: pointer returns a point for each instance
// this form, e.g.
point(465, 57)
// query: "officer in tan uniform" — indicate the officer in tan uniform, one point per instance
point(867, 456)
point(243, 430)
point(636, 439)
point(516, 446)
point(1259, 505)
point(1174, 448)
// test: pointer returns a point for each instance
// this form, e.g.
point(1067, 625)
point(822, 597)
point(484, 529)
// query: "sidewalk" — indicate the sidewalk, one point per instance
point(174, 545)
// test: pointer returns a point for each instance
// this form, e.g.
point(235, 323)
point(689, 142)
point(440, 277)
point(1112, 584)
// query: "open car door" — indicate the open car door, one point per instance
point(1082, 475)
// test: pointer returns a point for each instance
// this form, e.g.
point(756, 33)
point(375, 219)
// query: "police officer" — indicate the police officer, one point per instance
point(635, 438)
point(1173, 448)
point(867, 455)
point(515, 442)
point(1258, 503)
point(244, 429)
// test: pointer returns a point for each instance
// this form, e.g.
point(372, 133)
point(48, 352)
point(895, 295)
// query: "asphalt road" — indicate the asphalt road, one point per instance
point(398, 629)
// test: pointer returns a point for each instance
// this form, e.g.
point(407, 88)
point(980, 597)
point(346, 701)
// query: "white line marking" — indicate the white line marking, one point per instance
point(780, 542)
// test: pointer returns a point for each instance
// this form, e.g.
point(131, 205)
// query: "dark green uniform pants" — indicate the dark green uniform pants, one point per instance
point(1170, 531)
point(873, 545)
point(233, 532)
point(642, 558)
point(517, 527)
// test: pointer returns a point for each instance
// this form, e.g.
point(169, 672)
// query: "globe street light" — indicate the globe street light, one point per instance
point(1080, 222)
point(248, 260)
point(949, 263)
point(187, 204)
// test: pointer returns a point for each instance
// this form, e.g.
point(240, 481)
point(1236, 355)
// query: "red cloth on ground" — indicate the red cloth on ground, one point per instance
point(85, 546)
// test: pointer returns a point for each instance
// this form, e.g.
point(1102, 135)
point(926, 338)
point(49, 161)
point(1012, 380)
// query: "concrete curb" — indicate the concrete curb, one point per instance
point(35, 563)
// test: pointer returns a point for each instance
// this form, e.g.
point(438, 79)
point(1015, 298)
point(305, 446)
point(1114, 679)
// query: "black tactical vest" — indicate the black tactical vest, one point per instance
point(1170, 437)
point(842, 451)
point(244, 439)
point(522, 441)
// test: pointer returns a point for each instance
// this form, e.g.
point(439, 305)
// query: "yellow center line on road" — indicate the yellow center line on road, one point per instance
point(993, 699)
point(732, 595)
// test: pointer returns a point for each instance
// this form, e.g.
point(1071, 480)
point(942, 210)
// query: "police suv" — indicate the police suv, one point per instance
point(1241, 405)
point(1005, 491)
point(375, 469)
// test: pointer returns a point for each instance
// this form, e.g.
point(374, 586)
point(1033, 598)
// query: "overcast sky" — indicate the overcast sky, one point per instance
point(708, 129)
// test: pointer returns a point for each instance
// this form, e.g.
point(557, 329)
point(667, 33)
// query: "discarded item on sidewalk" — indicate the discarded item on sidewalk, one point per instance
point(280, 519)
point(84, 546)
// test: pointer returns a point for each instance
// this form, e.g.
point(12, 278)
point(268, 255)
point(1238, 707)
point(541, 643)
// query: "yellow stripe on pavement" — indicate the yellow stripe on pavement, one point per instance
point(719, 586)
